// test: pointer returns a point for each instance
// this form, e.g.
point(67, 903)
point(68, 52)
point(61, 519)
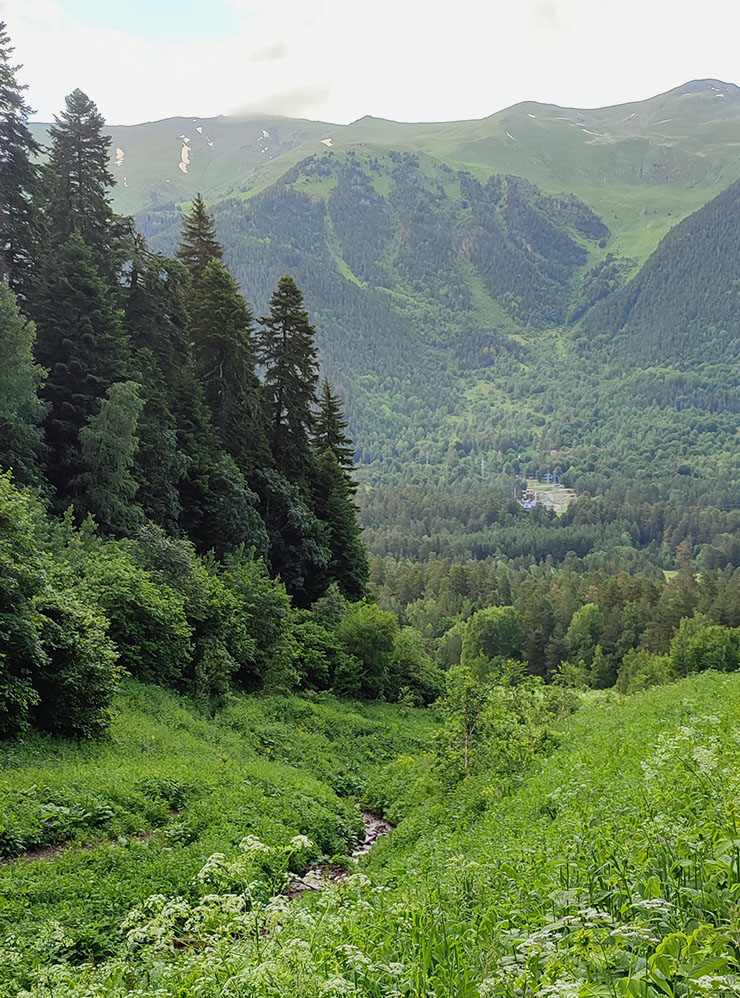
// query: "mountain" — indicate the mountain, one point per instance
point(484, 292)
point(683, 305)
point(641, 166)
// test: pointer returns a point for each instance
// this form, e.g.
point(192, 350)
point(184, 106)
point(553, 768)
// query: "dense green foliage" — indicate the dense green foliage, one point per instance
point(138, 813)
point(574, 855)
point(183, 506)
point(19, 181)
point(683, 302)
point(179, 528)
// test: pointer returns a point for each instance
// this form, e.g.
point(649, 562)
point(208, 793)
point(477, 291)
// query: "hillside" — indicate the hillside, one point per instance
point(89, 831)
point(641, 166)
point(682, 307)
point(606, 865)
point(448, 314)
point(447, 266)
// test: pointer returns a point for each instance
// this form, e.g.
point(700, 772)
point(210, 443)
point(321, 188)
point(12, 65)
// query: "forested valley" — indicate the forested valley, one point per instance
point(252, 598)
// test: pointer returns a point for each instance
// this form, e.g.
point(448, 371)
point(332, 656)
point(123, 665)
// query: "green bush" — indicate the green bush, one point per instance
point(320, 654)
point(699, 644)
point(265, 613)
point(77, 677)
point(368, 636)
point(147, 617)
point(491, 635)
point(413, 670)
point(641, 669)
point(22, 576)
point(57, 666)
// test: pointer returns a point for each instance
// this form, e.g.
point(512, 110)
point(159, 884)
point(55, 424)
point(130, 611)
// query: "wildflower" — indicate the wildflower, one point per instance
point(337, 987)
point(250, 843)
point(705, 759)
point(653, 904)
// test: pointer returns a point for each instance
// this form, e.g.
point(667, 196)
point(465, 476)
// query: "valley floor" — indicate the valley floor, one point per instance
point(610, 867)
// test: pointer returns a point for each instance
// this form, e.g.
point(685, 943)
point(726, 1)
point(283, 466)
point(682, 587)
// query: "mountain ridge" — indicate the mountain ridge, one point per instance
point(639, 167)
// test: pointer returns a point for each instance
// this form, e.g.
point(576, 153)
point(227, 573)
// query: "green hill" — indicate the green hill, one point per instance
point(681, 309)
point(605, 864)
point(447, 266)
point(89, 830)
point(641, 166)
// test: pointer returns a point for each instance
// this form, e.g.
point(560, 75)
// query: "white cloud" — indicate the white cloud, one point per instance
point(405, 59)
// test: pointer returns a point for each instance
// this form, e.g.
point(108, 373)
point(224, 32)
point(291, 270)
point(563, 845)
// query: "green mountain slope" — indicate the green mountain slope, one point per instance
point(608, 865)
point(445, 265)
point(682, 307)
point(641, 166)
point(419, 279)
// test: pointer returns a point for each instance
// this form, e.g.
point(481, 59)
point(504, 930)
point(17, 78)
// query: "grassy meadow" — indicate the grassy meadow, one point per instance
point(90, 830)
point(610, 866)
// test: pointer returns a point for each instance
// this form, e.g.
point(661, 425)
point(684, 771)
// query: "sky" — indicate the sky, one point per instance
point(337, 60)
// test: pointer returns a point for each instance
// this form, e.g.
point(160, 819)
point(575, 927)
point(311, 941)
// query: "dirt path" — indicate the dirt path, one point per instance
point(322, 875)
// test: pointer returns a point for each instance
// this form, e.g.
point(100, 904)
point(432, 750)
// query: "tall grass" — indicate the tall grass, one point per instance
point(609, 868)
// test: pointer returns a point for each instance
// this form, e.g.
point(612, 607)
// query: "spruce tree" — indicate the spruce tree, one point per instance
point(334, 488)
point(77, 182)
point(221, 329)
point(21, 410)
point(173, 412)
point(83, 344)
point(329, 436)
point(286, 348)
point(199, 244)
point(334, 506)
point(18, 175)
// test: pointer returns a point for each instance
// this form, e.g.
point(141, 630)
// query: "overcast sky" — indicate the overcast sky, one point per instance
point(337, 60)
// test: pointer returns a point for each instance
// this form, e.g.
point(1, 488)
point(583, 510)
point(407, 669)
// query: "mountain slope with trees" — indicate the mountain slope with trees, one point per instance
point(682, 306)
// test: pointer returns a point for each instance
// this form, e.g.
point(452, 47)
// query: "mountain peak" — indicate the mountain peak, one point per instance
point(708, 87)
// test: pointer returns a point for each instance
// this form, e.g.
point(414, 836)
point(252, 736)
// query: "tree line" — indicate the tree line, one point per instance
point(177, 500)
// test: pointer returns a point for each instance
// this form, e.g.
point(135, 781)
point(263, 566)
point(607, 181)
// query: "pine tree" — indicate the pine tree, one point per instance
point(333, 505)
point(286, 348)
point(21, 410)
point(77, 183)
point(221, 329)
point(298, 552)
point(156, 322)
point(109, 444)
point(84, 346)
point(18, 175)
point(329, 436)
point(199, 244)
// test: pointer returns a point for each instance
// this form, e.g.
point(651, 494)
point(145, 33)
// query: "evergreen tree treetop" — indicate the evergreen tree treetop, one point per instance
point(329, 427)
point(83, 344)
point(221, 327)
point(286, 348)
point(199, 244)
point(18, 173)
point(77, 179)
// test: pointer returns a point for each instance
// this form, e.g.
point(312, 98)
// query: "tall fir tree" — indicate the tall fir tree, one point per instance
point(199, 245)
point(21, 410)
point(18, 176)
point(170, 422)
point(221, 326)
point(83, 344)
point(77, 183)
point(287, 351)
point(329, 436)
point(333, 489)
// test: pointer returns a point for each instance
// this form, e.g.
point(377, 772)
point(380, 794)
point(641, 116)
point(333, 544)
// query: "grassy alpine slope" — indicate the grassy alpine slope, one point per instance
point(609, 867)
point(98, 827)
point(641, 166)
